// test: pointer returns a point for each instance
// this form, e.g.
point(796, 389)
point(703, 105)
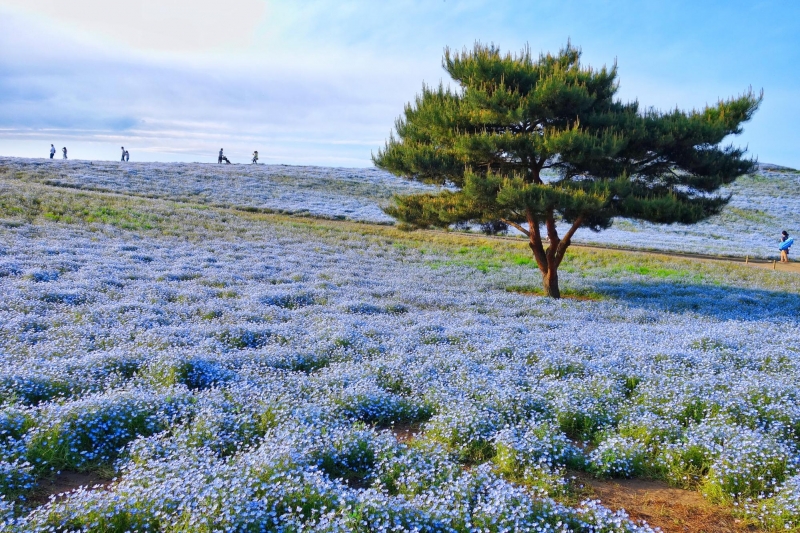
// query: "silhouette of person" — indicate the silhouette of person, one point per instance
point(219, 159)
point(123, 153)
point(52, 151)
point(64, 151)
point(127, 156)
point(255, 157)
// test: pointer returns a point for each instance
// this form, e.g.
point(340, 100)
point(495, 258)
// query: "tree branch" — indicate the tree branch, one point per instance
point(552, 234)
point(516, 226)
point(565, 242)
point(536, 241)
point(537, 170)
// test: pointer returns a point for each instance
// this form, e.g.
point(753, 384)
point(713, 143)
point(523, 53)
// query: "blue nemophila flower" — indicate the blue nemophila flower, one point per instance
point(262, 381)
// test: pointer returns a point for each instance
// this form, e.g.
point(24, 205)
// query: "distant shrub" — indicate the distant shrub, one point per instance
point(41, 276)
point(289, 301)
point(243, 338)
point(195, 373)
point(495, 227)
point(182, 276)
point(371, 309)
point(68, 298)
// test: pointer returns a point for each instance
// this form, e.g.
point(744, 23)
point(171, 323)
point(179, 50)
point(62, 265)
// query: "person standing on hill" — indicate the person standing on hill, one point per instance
point(219, 159)
point(785, 251)
point(255, 157)
point(123, 153)
point(52, 151)
point(126, 155)
point(64, 151)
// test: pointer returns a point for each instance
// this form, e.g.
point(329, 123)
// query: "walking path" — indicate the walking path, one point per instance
point(793, 266)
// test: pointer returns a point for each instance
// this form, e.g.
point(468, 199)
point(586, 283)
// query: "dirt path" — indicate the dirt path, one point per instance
point(781, 267)
point(64, 482)
point(658, 504)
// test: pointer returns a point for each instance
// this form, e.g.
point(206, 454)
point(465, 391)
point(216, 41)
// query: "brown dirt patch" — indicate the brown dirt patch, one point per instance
point(406, 432)
point(665, 507)
point(64, 482)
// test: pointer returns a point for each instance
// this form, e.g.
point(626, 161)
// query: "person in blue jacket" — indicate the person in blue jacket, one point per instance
point(785, 252)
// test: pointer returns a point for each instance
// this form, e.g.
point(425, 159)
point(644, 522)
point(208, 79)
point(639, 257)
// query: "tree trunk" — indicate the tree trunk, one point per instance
point(550, 280)
point(548, 265)
point(549, 259)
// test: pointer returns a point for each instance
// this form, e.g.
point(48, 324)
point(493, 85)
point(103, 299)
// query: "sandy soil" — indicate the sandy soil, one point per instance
point(669, 508)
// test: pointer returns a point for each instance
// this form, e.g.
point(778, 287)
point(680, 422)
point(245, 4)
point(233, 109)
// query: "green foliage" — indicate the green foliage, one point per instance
point(121, 217)
point(577, 425)
point(579, 294)
point(515, 116)
point(242, 338)
point(31, 390)
point(351, 458)
point(65, 444)
point(116, 517)
point(477, 451)
point(14, 423)
point(194, 373)
point(688, 466)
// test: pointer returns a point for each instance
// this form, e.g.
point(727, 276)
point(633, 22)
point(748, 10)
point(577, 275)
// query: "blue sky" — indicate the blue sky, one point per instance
point(321, 82)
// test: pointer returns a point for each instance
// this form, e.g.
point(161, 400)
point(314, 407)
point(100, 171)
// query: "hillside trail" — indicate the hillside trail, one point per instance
point(792, 266)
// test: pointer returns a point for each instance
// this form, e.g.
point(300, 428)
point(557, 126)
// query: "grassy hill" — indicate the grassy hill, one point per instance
point(762, 205)
point(220, 369)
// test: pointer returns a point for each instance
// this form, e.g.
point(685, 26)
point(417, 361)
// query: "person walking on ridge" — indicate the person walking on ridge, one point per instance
point(123, 153)
point(127, 155)
point(786, 243)
point(219, 159)
point(52, 151)
point(64, 151)
point(255, 157)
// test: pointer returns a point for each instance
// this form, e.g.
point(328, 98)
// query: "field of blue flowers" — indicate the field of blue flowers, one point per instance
point(761, 206)
point(253, 375)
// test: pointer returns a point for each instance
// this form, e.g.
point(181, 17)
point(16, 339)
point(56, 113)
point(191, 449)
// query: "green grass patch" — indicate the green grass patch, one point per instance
point(659, 272)
point(576, 294)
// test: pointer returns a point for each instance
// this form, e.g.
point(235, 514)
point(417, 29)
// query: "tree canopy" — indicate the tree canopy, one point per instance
point(532, 142)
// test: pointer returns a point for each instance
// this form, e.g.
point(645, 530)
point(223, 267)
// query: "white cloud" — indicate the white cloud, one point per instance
point(310, 109)
point(174, 25)
point(319, 78)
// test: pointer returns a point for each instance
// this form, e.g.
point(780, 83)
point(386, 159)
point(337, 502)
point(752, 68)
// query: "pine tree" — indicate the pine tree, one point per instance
point(514, 117)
